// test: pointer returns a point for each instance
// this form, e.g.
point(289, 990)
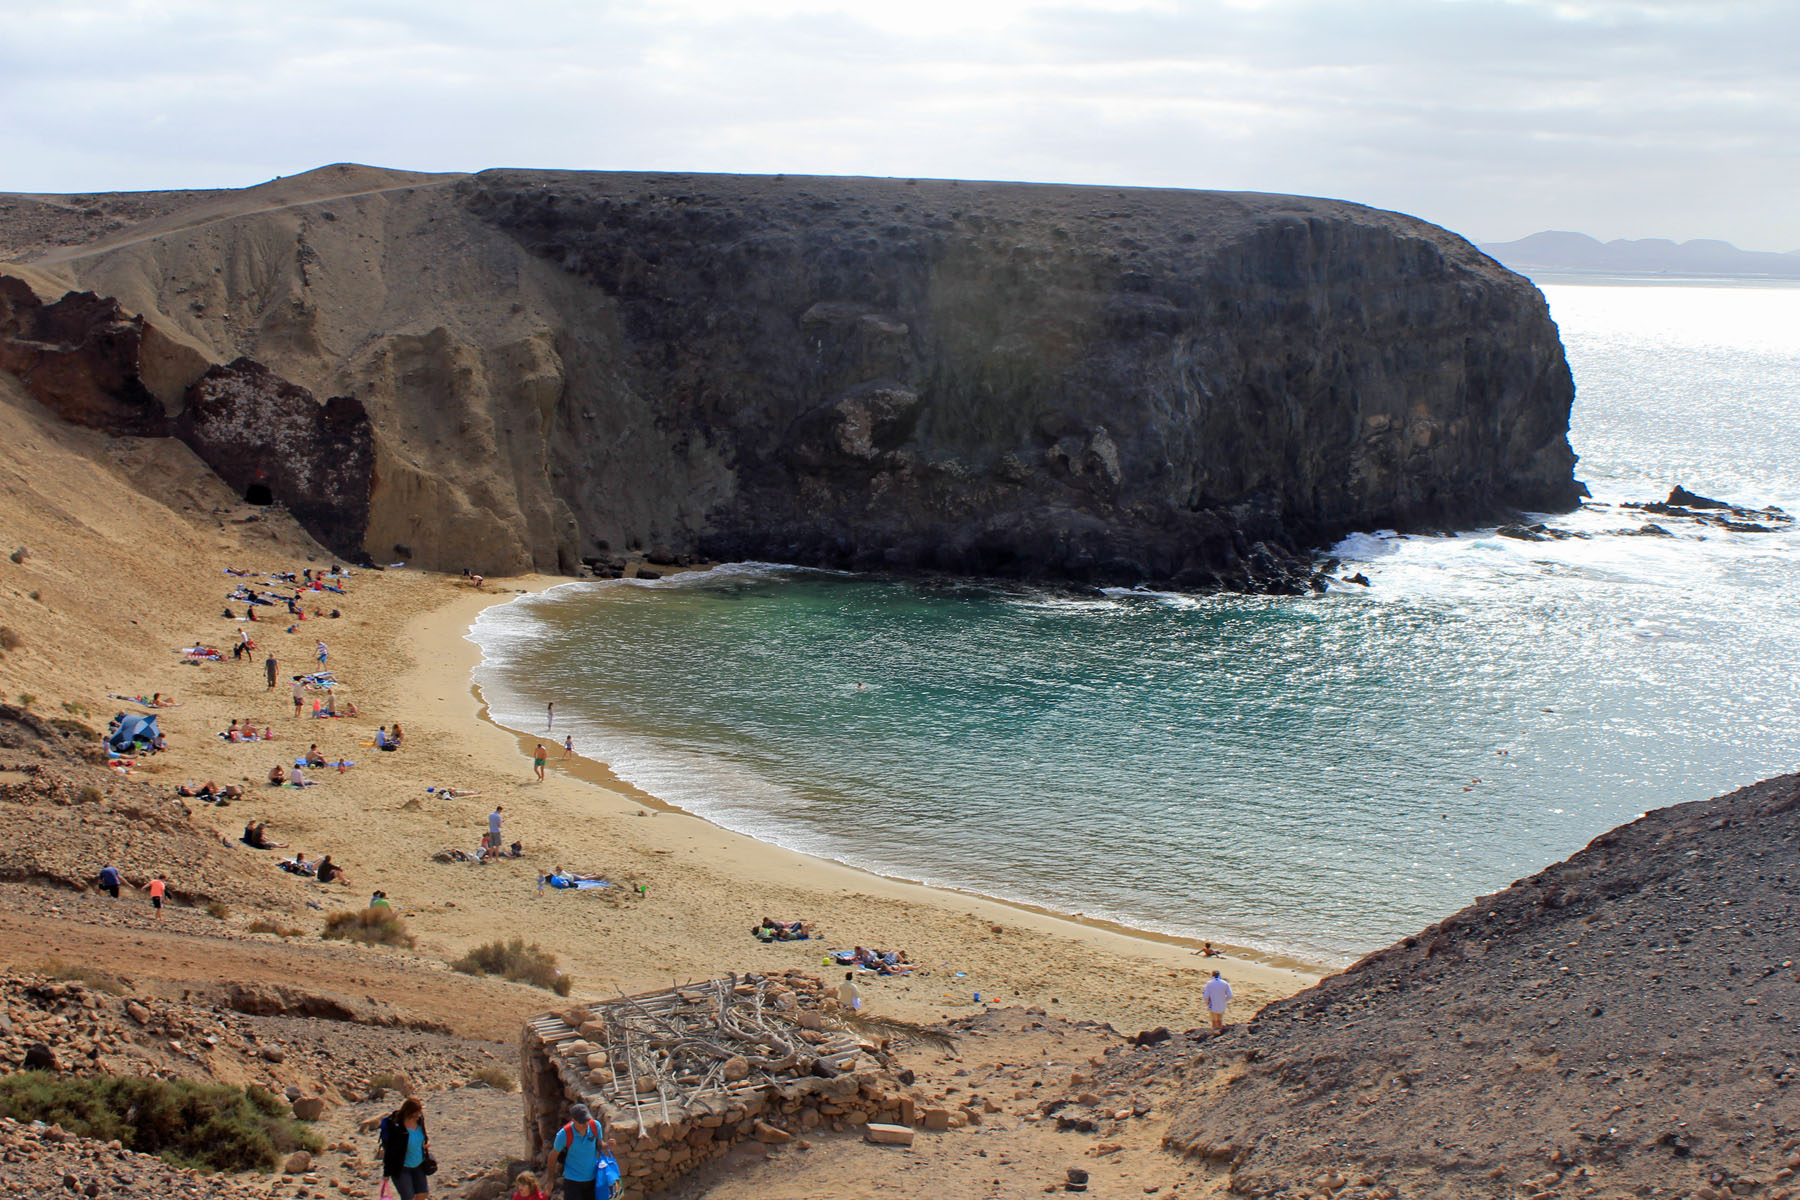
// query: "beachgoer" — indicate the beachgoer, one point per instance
point(550, 716)
point(269, 666)
point(379, 900)
point(299, 695)
point(322, 653)
point(525, 1187)
point(1209, 951)
point(277, 775)
point(156, 887)
point(406, 1149)
point(109, 880)
point(298, 778)
point(849, 995)
point(1217, 994)
point(330, 872)
point(569, 746)
point(314, 758)
point(493, 834)
point(397, 735)
point(577, 1148)
point(538, 757)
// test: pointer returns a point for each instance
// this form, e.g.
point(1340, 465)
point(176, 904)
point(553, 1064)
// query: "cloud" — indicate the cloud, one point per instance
point(1496, 117)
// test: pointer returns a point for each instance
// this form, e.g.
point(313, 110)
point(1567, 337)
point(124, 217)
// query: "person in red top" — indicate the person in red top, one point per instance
point(156, 887)
point(525, 1187)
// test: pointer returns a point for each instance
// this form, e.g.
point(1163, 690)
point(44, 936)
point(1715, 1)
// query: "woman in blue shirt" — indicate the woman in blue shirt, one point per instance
point(406, 1150)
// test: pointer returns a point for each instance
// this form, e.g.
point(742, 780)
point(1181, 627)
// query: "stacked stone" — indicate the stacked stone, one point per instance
point(46, 1160)
point(841, 1085)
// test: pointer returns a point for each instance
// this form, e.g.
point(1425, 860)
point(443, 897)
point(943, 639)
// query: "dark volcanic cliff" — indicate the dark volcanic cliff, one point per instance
point(1120, 385)
point(1112, 385)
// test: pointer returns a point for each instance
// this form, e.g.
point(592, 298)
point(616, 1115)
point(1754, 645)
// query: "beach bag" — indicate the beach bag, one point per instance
point(606, 1177)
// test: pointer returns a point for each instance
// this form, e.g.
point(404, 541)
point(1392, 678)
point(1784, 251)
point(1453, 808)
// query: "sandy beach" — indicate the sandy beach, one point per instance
point(131, 541)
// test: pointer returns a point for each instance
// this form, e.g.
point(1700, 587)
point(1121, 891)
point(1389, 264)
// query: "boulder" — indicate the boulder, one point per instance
point(889, 1135)
point(309, 1108)
point(297, 1163)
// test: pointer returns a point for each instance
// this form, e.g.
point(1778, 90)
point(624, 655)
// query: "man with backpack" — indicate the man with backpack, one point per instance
point(584, 1153)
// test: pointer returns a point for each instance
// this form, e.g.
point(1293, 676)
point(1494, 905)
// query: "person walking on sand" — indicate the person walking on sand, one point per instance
point(406, 1150)
point(1217, 994)
point(569, 747)
point(550, 716)
point(156, 887)
point(538, 758)
point(269, 666)
point(322, 652)
point(299, 696)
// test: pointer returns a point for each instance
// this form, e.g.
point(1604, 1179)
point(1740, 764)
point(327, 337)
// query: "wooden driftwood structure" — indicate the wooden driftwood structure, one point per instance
point(679, 1076)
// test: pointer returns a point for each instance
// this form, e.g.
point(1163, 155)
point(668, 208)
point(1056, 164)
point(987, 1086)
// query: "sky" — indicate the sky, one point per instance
point(1496, 118)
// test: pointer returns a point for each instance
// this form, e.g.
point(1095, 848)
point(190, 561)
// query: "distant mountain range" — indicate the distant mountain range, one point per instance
point(1577, 252)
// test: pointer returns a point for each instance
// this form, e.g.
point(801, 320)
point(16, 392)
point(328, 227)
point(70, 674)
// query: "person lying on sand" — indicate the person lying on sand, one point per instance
point(205, 791)
point(298, 865)
point(772, 930)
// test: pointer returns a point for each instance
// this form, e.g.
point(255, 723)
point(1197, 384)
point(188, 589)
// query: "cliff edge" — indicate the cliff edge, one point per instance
point(1099, 384)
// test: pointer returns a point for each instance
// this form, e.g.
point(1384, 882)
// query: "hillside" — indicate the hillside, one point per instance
point(1621, 1022)
point(538, 370)
point(1577, 252)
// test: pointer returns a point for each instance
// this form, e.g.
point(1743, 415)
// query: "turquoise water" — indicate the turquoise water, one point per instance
point(1315, 776)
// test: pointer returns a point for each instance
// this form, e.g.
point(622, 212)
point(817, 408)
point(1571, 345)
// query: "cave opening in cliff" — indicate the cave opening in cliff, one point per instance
point(258, 493)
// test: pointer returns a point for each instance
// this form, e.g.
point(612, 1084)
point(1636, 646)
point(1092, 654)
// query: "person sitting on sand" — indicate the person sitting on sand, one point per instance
point(382, 741)
point(1209, 951)
point(277, 775)
point(330, 872)
point(234, 734)
point(314, 757)
point(397, 736)
point(298, 778)
point(379, 900)
point(231, 791)
point(256, 835)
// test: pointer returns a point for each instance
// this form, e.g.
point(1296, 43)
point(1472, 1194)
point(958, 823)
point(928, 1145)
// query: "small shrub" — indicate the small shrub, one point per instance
point(264, 925)
point(516, 961)
point(87, 793)
point(218, 909)
point(36, 595)
point(495, 1077)
point(383, 1082)
point(20, 555)
point(101, 981)
point(205, 1126)
point(69, 706)
point(377, 926)
point(10, 638)
point(26, 699)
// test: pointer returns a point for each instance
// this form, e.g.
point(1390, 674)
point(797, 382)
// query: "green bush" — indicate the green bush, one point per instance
point(516, 961)
point(205, 1126)
point(9, 638)
point(376, 926)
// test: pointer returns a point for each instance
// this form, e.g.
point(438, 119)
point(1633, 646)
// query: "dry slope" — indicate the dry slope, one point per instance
point(1620, 1022)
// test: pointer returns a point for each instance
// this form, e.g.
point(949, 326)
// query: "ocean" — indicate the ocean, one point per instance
point(1313, 777)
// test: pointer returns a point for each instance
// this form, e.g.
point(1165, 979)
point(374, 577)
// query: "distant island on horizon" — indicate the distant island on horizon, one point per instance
point(1578, 253)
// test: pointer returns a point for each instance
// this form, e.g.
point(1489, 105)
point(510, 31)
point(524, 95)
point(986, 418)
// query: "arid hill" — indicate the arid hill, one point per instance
point(1621, 1023)
point(537, 370)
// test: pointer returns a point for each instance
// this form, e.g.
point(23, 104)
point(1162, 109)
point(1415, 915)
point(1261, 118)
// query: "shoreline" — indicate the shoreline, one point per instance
point(457, 616)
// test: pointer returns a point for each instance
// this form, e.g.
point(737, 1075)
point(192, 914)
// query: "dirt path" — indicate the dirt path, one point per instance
point(167, 961)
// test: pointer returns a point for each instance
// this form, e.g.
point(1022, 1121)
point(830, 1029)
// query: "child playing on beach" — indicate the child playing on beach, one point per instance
point(156, 887)
point(525, 1187)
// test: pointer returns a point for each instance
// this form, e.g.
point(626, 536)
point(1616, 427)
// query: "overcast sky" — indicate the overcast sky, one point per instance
point(1497, 118)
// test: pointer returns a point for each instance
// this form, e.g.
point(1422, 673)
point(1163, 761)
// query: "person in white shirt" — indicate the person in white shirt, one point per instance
point(1217, 994)
point(494, 829)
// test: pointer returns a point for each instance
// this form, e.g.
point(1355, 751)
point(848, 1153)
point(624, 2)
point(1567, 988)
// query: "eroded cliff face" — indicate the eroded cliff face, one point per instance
point(1116, 386)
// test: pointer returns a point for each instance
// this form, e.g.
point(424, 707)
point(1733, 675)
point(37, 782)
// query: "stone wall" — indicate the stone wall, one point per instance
point(670, 1120)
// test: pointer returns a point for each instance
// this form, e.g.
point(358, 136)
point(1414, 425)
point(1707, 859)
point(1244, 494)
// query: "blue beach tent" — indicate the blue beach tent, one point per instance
point(132, 729)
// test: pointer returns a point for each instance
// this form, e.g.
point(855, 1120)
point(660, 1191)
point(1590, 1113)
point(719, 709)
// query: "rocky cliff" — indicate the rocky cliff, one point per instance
point(1111, 385)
